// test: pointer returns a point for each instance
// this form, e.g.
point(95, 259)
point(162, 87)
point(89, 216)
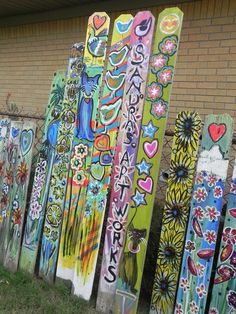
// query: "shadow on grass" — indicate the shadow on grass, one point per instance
point(22, 294)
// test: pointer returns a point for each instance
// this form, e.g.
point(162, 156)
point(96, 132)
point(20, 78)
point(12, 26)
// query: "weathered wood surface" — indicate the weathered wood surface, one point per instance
point(7, 184)
point(18, 196)
point(206, 206)
point(57, 188)
point(38, 200)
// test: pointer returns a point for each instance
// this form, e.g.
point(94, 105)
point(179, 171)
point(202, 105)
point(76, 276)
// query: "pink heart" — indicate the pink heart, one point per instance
point(151, 148)
point(146, 185)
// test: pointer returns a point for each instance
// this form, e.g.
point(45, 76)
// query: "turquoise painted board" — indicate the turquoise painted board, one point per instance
point(59, 173)
point(17, 206)
point(223, 298)
point(10, 170)
point(36, 211)
point(205, 213)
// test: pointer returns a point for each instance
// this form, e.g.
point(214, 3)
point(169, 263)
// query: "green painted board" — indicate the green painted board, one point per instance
point(36, 211)
point(11, 168)
point(148, 160)
point(59, 173)
point(204, 218)
point(224, 289)
point(91, 81)
point(18, 198)
point(176, 209)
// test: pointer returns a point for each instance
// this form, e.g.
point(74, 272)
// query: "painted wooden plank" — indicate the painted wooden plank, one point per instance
point(94, 58)
point(94, 205)
point(5, 125)
point(18, 198)
point(205, 212)
point(125, 156)
point(176, 210)
point(59, 173)
point(36, 211)
point(11, 168)
point(224, 289)
point(148, 161)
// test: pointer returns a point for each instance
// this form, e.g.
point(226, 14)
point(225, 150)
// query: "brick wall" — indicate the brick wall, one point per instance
point(205, 77)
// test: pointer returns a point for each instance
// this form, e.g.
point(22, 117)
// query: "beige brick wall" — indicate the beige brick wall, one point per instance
point(205, 77)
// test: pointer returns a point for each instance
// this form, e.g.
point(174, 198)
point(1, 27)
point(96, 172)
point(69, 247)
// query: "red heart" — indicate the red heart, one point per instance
point(216, 131)
point(98, 21)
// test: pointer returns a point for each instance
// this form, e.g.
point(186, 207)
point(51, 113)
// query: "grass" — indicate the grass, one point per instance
point(22, 294)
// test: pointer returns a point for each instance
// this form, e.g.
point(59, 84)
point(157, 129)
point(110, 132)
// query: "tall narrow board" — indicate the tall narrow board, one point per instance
point(36, 211)
point(224, 289)
point(205, 212)
point(20, 182)
point(125, 155)
point(11, 168)
point(59, 173)
point(148, 160)
point(91, 81)
point(4, 135)
point(176, 210)
point(92, 212)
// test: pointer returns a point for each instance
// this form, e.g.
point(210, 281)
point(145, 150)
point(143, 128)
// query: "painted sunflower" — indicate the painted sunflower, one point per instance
point(181, 171)
point(170, 249)
point(176, 209)
point(187, 128)
point(163, 291)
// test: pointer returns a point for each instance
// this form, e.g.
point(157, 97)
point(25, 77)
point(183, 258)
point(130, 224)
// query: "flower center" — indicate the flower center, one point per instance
point(181, 172)
point(169, 252)
point(164, 285)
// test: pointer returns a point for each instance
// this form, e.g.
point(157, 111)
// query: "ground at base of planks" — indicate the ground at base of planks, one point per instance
point(22, 294)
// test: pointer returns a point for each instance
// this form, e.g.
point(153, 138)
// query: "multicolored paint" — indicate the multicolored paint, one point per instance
point(125, 156)
point(38, 200)
point(4, 135)
point(10, 168)
point(18, 196)
point(59, 173)
point(224, 290)
point(176, 211)
point(205, 213)
point(91, 81)
point(148, 161)
point(102, 157)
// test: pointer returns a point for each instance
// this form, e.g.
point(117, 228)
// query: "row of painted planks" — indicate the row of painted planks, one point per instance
point(74, 172)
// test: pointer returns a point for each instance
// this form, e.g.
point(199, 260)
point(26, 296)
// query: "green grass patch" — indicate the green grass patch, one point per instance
point(21, 293)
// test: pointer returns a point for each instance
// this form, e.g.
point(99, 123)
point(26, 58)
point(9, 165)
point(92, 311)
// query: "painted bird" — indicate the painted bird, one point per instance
point(117, 57)
point(114, 82)
point(142, 29)
point(123, 27)
point(97, 43)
